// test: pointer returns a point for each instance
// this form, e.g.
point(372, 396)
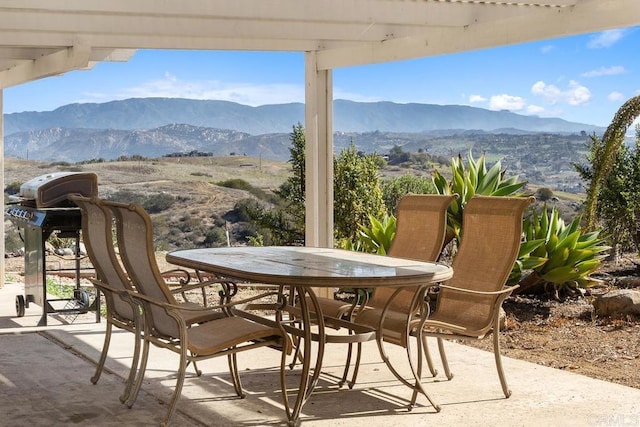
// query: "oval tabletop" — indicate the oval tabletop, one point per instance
point(310, 266)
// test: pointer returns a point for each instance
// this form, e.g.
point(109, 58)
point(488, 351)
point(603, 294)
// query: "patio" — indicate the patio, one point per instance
point(44, 380)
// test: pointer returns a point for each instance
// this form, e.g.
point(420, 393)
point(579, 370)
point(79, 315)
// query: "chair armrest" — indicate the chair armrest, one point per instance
point(104, 287)
point(138, 296)
point(229, 288)
point(471, 291)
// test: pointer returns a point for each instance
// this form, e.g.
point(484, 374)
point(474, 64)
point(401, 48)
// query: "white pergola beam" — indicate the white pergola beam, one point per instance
point(71, 58)
point(541, 24)
point(450, 13)
point(244, 24)
point(318, 154)
point(2, 235)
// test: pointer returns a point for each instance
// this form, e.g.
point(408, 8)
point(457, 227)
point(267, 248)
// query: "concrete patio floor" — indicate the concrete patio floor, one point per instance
point(44, 381)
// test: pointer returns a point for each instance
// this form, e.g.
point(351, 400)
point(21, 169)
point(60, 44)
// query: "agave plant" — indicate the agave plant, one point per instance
point(571, 255)
point(526, 260)
point(469, 181)
point(376, 238)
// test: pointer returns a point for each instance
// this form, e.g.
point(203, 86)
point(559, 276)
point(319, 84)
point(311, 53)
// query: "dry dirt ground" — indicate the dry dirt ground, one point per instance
point(568, 335)
point(561, 334)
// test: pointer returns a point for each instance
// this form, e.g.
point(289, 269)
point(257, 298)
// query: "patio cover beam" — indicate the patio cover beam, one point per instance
point(79, 56)
point(539, 24)
point(71, 58)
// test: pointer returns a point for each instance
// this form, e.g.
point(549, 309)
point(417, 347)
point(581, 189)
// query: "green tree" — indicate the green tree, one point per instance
point(282, 223)
point(357, 192)
point(357, 195)
point(618, 209)
point(397, 155)
point(292, 191)
point(604, 154)
point(395, 188)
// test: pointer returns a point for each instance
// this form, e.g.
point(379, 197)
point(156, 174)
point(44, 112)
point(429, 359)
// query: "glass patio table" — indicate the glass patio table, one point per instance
point(300, 269)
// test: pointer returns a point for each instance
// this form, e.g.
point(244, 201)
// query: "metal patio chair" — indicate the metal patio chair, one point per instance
point(468, 305)
point(165, 324)
point(420, 233)
point(111, 279)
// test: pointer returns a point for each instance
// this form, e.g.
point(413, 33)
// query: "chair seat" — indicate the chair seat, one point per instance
point(394, 327)
point(192, 317)
point(331, 307)
point(212, 337)
point(442, 326)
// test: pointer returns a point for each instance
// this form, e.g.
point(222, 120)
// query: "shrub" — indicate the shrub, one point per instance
point(153, 204)
point(215, 237)
point(237, 183)
point(158, 203)
point(394, 189)
point(543, 194)
point(13, 188)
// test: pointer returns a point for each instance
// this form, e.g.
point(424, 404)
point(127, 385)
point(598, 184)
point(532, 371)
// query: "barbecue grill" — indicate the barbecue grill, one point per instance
point(40, 210)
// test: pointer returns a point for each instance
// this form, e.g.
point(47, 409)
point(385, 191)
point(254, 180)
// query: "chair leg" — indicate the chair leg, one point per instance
point(132, 371)
point(103, 355)
point(296, 353)
point(135, 388)
point(496, 354)
point(443, 357)
point(417, 374)
point(182, 369)
point(356, 367)
point(347, 365)
point(427, 355)
point(195, 367)
point(235, 376)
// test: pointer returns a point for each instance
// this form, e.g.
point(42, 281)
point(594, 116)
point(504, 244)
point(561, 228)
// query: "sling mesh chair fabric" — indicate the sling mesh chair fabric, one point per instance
point(164, 323)
point(420, 234)
point(468, 305)
point(113, 282)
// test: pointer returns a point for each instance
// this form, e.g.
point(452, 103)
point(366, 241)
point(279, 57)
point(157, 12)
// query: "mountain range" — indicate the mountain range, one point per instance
point(154, 127)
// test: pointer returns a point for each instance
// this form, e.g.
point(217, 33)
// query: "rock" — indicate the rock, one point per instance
point(629, 282)
point(64, 251)
point(502, 319)
point(620, 301)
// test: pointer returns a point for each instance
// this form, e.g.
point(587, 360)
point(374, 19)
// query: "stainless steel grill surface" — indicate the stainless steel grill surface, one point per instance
point(42, 208)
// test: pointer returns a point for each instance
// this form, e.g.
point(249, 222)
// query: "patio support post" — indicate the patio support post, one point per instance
point(318, 156)
point(2, 248)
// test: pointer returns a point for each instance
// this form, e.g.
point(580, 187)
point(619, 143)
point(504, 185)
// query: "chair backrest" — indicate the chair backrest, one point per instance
point(134, 232)
point(491, 237)
point(97, 234)
point(420, 232)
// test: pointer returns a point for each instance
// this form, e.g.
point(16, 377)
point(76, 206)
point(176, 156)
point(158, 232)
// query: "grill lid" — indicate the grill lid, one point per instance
point(52, 189)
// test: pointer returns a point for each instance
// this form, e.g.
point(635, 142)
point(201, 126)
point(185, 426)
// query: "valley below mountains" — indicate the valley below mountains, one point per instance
point(542, 150)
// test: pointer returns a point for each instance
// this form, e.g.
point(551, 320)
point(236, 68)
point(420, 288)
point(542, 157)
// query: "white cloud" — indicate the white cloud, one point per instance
point(170, 86)
point(605, 39)
point(546, 49)
point(507, 102)
point(535, 109)
point(575, 94)
point(615, 96)
point(474, 99)
point(605, 71)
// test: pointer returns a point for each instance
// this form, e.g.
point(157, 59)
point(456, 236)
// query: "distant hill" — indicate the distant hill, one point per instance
point(349, 116)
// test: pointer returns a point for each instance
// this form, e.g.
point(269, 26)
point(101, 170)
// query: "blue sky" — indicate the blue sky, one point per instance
point(581, 78)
